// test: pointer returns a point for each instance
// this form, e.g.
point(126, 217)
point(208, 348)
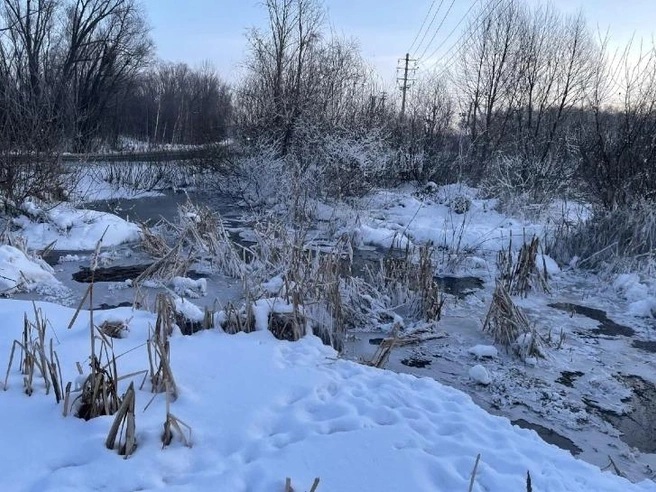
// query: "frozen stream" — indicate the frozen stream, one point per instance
point(592, 395)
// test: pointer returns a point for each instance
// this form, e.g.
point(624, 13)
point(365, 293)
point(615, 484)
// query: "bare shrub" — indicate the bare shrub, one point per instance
point(518, 183)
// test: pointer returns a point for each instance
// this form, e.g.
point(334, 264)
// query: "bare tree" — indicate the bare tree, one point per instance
point(105, 45)
point(176, 104)
point(615, 137)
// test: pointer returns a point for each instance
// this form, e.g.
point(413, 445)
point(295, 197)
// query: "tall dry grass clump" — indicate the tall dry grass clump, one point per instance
point(619, 240)
point(37, 357)
point(510, 327)
point(406, 278)
point(525, 272)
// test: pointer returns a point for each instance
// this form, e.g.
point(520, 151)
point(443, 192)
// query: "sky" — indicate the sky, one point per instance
point(195, 31)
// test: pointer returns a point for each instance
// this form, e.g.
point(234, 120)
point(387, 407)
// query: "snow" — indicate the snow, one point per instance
point(481, 351)
point(383, 237)
point(76, 230)
point(188, 287)
point(641, 297)
point(479, 374)
point(400, 217)
point(18, 272)
point(545, 261)
point(262, 410)
point(91, 186)
point(262, 308)
point(188, 310)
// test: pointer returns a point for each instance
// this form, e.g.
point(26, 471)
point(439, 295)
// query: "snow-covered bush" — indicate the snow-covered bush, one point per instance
point(318, 164)
point(624, 238)
point(518, 183)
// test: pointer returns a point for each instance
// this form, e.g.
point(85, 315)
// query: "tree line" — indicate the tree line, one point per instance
point(530, 101)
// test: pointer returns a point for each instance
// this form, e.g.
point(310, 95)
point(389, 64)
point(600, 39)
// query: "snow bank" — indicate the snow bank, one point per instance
point(641, 297)
point(91, 186)
point(262, 410)
point(18, 272)
point(434, 219)
point(383, 237)
point(481, 351)
point(76, 230)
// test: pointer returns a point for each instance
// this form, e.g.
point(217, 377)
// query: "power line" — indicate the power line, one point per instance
point(471, 7)
point(459, 51)
point(422, 26)
point(438, 28)
point(439, 7)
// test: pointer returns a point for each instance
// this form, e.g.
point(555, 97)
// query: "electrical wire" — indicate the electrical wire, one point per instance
point(461, 44)
point(422, 26)
point(438, 29)
point(439, 7)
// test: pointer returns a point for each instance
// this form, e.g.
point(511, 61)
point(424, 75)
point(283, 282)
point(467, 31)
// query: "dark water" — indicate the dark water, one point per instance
point(607, 326)
point(638, 425)
point(149, 210)
point(550, 436)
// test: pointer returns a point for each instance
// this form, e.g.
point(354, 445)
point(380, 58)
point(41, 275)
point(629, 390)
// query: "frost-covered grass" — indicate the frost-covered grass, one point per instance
point(264, 410)
point(615, 241)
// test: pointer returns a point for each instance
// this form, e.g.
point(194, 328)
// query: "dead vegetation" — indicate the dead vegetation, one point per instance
point(124, 427)
point(198, 235)
point(522, 274)
point(37, 357)
point(406, 278)
point(509, 326)
point(384, 350)
point(289, 488)
point(159, 349)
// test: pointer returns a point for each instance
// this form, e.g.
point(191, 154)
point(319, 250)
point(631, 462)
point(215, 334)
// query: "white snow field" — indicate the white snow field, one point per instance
point(74, 229)
point(262, 410)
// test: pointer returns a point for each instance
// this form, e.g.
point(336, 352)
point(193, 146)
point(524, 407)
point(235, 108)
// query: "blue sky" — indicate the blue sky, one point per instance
point(198, 30)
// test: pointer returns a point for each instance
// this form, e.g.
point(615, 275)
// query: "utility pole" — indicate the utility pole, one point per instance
point(405, 80)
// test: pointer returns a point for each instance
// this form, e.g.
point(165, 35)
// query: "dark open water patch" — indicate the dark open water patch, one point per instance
point(459, 286)
point(550, 436)
point(567, 378)
point(638, 425)
point(416, 362)
point(607, 326)
point(647, 346)
point(119, 273)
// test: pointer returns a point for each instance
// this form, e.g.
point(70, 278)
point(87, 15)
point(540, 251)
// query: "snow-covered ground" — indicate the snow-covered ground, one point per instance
point(262, 410)
point(294, 410)
point(67, 228)
point(594, 408)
